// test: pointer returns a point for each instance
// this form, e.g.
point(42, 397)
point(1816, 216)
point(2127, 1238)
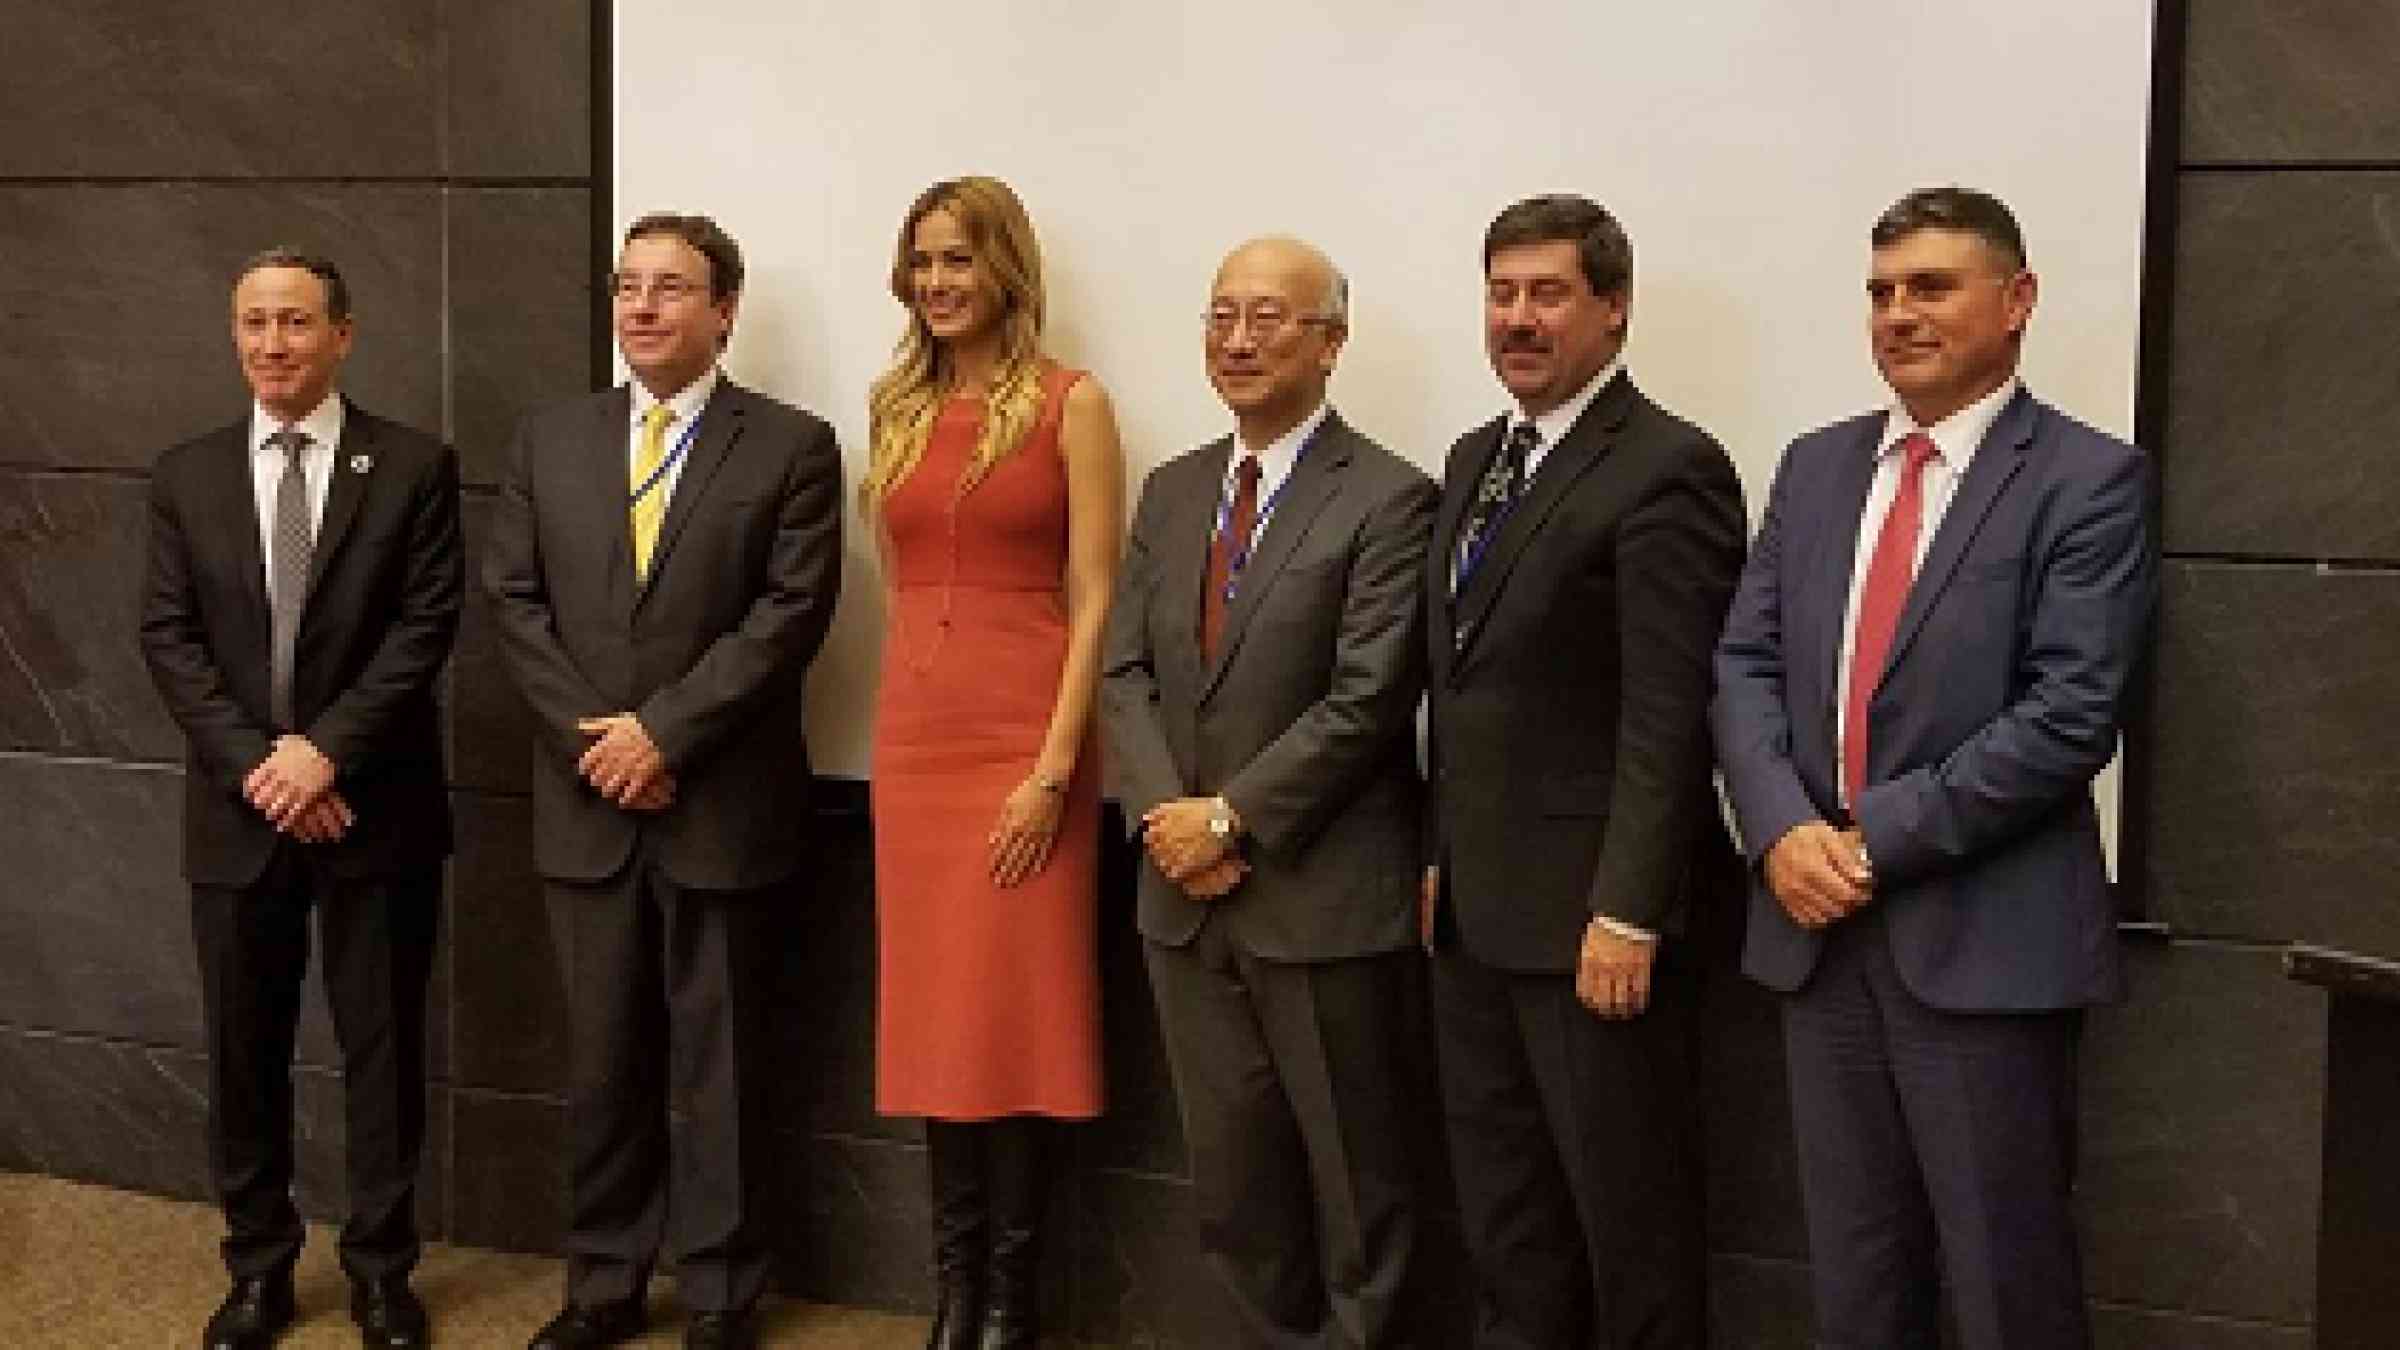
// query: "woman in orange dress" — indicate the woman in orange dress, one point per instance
point(996, 481)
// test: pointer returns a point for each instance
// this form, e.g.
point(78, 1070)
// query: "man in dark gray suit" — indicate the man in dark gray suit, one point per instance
point(301, 595)
point(1924, 668)
point(1586, 546)
point(663, 564)
point(1263, 664)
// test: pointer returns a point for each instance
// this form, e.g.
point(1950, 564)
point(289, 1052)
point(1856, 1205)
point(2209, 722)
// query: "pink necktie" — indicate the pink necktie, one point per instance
point(1880, 601)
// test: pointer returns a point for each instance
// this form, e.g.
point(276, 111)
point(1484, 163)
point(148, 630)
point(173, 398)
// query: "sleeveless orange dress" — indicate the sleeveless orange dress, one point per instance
point(988, 1000)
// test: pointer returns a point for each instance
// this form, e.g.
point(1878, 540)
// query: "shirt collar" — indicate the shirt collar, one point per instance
point(686, 402)
point(322, 426)
point(1278, 456)
point(1955, 437)
point(1556, 423)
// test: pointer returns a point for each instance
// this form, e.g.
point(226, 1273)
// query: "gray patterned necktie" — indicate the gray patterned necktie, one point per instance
point(287, 583)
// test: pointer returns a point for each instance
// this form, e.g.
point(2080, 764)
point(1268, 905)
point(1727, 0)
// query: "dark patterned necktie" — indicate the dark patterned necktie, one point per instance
point(1230, 541)
point(295, 540)
point(1503, 482)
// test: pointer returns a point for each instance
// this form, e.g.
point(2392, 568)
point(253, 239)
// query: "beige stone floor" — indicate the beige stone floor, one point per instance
point(90, 1268)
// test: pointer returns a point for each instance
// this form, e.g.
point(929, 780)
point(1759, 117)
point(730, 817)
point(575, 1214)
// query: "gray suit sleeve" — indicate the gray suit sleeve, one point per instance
point(1303, 778)
point(1141, 765)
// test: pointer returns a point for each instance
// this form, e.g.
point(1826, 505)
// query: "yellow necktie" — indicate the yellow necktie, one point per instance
point(651, 507)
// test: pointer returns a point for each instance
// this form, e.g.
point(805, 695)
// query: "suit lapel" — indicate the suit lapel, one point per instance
point(1459, 485)
point(1846, 500)
point(345, 485)
point(1305, 492)
point(1184, 560)
point(720, 427)
point(236, 492)
point(1996, 462)
point(1562, 464)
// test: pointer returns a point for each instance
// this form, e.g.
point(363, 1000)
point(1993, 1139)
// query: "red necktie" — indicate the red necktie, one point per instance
point(1880, 601)
point(1229, 544)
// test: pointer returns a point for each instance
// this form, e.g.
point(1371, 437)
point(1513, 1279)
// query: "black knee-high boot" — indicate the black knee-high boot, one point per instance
point(961, 1230)
point(1016, 1170)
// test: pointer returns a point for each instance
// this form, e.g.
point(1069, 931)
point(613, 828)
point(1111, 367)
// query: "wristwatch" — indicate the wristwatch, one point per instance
point(1221, 821)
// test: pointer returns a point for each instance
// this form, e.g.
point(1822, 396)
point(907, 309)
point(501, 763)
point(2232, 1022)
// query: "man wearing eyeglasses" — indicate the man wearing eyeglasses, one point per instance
point(1587, 543)
point(663, 564)
point(1263, 664)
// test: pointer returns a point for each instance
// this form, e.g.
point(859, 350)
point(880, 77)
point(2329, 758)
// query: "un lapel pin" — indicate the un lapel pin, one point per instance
point(361, 463)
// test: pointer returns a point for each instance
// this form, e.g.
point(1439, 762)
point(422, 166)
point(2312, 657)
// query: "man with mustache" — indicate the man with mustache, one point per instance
point(1585, 549)
point(302, 592)
point(1263, 665)
point(1924, 668)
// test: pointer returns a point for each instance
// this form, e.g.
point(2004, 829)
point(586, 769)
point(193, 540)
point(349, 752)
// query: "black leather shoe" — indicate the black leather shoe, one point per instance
point(254, 1313)
point(388, 1314)
point(721, 1331)
point(590, 1328)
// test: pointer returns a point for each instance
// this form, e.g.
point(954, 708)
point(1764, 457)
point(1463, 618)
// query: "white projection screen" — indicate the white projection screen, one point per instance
point(1745, 144)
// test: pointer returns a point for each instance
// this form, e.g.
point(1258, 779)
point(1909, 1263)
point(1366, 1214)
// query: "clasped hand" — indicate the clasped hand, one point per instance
point(293, 788)
point(624, 765)
point(1187, 852)
point(1819, 874)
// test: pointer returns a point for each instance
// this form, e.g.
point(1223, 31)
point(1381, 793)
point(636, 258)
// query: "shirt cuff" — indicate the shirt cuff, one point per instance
point(1627, 931)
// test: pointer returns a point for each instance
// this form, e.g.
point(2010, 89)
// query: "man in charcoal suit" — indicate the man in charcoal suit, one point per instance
point(1263, 667)
point(301, 594)
point(663, 564)
point(1586, 546)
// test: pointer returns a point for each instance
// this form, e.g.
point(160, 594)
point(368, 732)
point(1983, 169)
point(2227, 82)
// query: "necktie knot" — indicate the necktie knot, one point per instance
point(1916, 448)
point(291, 441)
point(1245, 474)
point(655, 421)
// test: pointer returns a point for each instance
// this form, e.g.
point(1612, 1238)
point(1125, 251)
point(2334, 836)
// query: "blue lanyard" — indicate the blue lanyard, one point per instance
point(1258, 523)
point(674, 456)
point(1471, 555)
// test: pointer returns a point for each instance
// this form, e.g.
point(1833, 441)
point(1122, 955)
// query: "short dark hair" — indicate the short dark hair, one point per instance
point(1599, 240)
point(337, 291)
point(1952, 208)
point(704, 235)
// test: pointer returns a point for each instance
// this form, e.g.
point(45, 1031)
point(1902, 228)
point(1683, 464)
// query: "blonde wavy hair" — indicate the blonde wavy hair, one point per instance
point(904, 401)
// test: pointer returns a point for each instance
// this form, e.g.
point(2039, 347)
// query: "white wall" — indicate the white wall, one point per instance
point(1746, 145)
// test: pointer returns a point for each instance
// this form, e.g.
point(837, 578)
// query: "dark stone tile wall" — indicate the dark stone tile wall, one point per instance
point(446, 157)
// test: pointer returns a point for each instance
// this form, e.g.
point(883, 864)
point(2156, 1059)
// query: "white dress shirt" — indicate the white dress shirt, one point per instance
point(1276, 460)
point(1955, 439)
point(1551, 427)
point(684, 405)
point(323, 427)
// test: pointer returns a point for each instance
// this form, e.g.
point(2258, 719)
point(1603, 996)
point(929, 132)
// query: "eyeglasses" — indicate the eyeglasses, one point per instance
point(627, 288)
point(1266, 322)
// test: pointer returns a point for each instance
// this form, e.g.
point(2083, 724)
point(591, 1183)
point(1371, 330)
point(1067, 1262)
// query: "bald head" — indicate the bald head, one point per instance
point(1307, 275)
point(1276, 319)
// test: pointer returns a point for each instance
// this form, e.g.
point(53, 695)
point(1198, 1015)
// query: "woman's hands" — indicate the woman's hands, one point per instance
point(1027, 827)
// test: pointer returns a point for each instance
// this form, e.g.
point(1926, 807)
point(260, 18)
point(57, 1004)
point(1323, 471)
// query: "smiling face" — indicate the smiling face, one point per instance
point(290, 346)
point(1268, 340)
point(1946, 315)
point(668, 325)
point(1546, 331)
point(948, 285)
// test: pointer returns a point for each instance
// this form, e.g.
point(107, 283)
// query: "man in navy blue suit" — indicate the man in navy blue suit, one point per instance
point(1924, 667)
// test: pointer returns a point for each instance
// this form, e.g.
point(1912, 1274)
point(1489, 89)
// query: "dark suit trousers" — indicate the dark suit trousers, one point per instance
point(666, 990)
point(253, 943)
point(1930, 1135)
point(1290, 1076)
point(1574, 1140)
